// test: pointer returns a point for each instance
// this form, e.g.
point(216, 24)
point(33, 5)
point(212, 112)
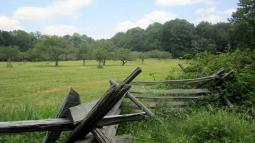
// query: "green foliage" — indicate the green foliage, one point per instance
point(100, 55)
point(157, 54)
point(124, 55)
point(53, 47)
point(218, 126)
point(209, 125)
point(243, 64)
point(9, 54)
point(244, 25)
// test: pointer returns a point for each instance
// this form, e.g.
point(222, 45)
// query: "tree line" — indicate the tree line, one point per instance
point(174, 39)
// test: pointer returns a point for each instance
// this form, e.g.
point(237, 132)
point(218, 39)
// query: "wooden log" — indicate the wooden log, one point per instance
point(115, 119)
point(103, 106)
point(170, 97)
point(61, 124)
point(111, 131)
point(72, 99)
point(154, 104)
point(108, 118)
point(228, 102)
point(218, 73)
point(100, 136)
point(137, 102)
point(77, 113)
point(184, 81)
point(172, 91)
point(181, 67)
point(58, 124)
point(141, 105)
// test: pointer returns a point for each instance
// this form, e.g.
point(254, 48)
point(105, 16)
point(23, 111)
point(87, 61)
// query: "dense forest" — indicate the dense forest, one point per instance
point(174, 39)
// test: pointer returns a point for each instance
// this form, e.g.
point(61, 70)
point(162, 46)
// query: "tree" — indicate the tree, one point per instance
point(243, 33)
point(158, 54)
point(53, 47)
point(35, 54)
point(153, 37)
point(124, 55)
point(82, 53)
point(100, 56)
point(23, 40)
point(141, 56)
point(177, 37)
point(9, 53)
point(6, 39)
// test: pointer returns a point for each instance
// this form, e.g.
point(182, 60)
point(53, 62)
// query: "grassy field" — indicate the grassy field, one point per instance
point(35, 90)
point(42, 84)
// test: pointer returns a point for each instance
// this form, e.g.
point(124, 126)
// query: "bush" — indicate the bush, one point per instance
point(218, 126)
point(241, 87)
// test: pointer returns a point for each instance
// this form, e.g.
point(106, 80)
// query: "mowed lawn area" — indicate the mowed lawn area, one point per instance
point(41, 85)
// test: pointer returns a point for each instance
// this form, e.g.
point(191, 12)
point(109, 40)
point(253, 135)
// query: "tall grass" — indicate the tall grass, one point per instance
point(194, 126)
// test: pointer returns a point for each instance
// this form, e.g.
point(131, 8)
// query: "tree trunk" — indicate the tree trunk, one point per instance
point(9, 63)
point(83, 62)
point(123, 63)
point(142, 60)
point(104, 62)
point(56, 62)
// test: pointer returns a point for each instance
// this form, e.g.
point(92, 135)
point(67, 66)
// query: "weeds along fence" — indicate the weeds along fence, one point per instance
point(98, 121)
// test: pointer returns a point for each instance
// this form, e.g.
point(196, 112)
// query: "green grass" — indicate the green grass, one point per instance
point(42, 84)
point(201, 125)
point(35, 90)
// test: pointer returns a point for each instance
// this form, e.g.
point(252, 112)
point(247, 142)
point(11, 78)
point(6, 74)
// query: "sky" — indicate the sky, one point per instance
point(104, 18)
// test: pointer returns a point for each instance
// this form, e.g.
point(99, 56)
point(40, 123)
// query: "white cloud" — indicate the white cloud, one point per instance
point(144, 22)
point(59, 30)
point(56, 8)
point(8, 24)
point(177, 2)
point(212, 19)
point(229, 12)
point(206, 10)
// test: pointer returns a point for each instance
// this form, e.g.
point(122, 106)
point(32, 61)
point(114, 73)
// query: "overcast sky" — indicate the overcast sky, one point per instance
point(104, 18)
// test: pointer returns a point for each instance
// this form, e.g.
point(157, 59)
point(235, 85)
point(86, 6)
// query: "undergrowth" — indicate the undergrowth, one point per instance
point(209, 125)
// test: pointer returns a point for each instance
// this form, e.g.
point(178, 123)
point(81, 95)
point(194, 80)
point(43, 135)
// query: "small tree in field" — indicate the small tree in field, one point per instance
point(53, 47)
point(141, 56)
point(100, 56)
point(124, 55)
point(9, 53)
point(82, 53)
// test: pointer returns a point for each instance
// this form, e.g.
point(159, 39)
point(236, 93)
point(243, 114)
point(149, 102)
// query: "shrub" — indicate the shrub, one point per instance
point(218, 126)
point(241, 87)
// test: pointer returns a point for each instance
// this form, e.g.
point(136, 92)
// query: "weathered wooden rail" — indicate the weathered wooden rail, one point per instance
point(177, 97)
point(98, 121)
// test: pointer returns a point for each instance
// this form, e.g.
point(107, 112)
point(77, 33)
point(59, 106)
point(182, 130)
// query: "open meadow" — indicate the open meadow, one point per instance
point(42, 86)
point(35, 90)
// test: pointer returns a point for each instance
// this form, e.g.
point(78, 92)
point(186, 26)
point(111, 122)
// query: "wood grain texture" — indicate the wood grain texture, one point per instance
point(171, 91)
point(154, 104)
point(183, 81)
point(72, 99)
point(61, 124)
point(170, 97)
point(100, 136)
point(103, 106)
